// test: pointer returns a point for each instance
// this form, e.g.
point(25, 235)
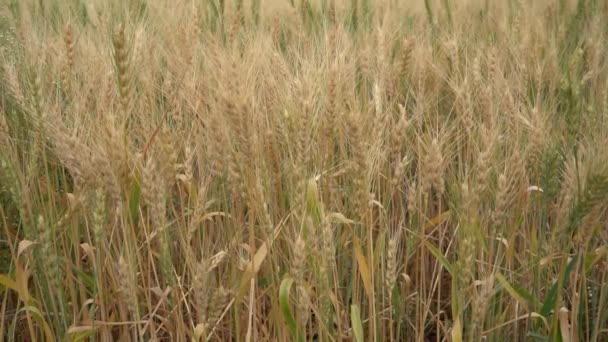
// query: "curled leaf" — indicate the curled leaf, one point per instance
point(23, 245)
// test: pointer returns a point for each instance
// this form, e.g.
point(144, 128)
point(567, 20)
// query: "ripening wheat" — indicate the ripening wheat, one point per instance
point(299, 170)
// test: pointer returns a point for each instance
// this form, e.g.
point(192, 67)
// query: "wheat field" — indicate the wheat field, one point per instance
point(299, 170)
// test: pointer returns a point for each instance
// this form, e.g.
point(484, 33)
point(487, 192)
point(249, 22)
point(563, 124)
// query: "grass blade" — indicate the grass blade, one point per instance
point(517, 292)
point(284, 291)
point(355, 318)
point(551, 298)
point(439, 256)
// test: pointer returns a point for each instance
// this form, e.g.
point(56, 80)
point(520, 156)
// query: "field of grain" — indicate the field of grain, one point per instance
point(303, 170)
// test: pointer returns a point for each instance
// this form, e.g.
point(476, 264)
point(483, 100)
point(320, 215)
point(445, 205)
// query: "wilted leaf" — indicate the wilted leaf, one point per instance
point(363, 267)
